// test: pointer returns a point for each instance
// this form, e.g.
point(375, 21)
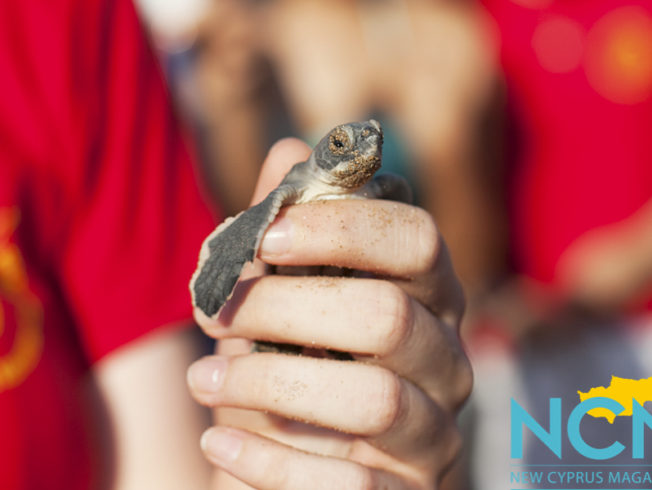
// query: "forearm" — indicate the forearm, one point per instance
point(610, 267)
point(636, 234)
point(640, 226)
point(156, 425)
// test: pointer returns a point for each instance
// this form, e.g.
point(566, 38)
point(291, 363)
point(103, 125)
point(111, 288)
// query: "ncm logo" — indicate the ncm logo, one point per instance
point(552, 437)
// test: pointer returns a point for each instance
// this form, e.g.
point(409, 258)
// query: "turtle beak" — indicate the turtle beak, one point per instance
point(373, 132)
point(376, 125)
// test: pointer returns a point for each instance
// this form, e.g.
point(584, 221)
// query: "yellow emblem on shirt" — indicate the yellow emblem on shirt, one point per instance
point(21, 313)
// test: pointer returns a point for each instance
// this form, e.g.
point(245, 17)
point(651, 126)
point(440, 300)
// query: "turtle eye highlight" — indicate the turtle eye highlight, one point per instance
point(339, 142)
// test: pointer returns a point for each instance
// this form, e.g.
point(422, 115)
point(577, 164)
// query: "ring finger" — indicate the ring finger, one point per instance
point(344, 396)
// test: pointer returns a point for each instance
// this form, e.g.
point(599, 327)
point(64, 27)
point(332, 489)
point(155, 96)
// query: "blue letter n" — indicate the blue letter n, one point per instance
point(640, 418)
point(520, 417)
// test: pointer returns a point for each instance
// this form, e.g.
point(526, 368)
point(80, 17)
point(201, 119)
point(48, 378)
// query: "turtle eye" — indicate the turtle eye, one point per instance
point(339, 141)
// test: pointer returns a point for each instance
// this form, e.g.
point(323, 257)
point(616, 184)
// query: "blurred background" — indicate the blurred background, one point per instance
point(524, 128)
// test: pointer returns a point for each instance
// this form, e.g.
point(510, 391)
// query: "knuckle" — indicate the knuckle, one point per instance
point(456, 300)
point(456, 442)
point(399, 320)
point(450, 451)
point(428, 242)
point(387, 398)
point(464, 381)
point(461, 302)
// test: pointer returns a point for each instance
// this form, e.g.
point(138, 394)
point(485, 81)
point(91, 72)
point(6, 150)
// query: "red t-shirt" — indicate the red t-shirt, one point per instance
point(100, 224)
point(579, 77)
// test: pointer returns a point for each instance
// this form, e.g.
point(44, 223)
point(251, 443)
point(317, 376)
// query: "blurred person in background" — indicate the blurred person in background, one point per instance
point(100, 225)
point(425, 69)
point(100, 222)
point(577, 307)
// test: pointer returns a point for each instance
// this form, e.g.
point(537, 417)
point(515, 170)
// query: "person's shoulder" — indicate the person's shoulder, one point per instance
point(32, 11)
point(34, 26)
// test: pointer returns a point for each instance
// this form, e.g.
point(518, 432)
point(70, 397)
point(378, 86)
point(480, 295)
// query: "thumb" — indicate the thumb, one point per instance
point(280, 159)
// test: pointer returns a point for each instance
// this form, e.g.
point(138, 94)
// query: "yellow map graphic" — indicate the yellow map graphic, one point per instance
point(622, 390)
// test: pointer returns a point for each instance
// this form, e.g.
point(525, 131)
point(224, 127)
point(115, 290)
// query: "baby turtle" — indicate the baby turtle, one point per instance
point(340, 166)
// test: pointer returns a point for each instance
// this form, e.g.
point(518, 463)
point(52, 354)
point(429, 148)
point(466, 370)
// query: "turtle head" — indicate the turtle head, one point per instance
point(350, 153)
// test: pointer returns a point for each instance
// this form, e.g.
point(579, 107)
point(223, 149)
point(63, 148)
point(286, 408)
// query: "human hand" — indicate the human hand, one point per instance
point(610, 267)
point(385, 420)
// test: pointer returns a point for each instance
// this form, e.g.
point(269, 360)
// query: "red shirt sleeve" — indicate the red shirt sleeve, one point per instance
point(120, 217)
point(138, 228)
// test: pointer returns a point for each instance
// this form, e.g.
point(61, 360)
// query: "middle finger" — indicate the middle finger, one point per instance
point(373, 319)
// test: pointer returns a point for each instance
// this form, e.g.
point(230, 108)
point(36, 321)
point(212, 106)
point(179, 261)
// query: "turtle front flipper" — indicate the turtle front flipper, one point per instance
point(225, 252)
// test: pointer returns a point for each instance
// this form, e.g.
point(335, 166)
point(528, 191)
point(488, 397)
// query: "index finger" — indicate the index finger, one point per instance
point(386, 238)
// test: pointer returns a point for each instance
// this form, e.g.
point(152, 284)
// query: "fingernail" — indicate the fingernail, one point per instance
point(221, 444)
point(206, 375)
point(278, 238)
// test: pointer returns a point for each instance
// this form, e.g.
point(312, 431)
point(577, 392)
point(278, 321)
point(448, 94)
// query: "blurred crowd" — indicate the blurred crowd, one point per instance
point(523, 127)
